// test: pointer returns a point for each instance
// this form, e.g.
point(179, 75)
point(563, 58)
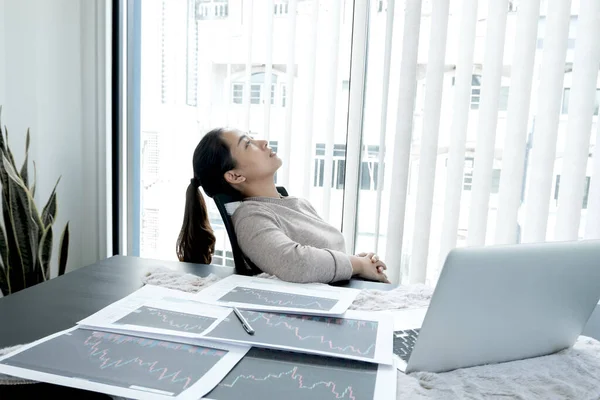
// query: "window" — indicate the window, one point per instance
point(191, 70)
point(475, 92)
point(150, 158)
point(212, 9)
point(150, 229)
point(272, 93)
point(586, 191)
point(255, 90)
point(368, 175)
point(281, 7)
point(468, 176)
point(369, 168)
point(283, 94)
point(565, 103)
point(220, 260)
point(338, 166)
point(164, 54)
point(258, 93)
point(237, 93)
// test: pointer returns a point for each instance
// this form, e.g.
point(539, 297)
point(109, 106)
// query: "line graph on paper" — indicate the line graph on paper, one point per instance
point(241, 294)
point(278, 374)
point(167, 319)
point(326, 334)
point(120, 360)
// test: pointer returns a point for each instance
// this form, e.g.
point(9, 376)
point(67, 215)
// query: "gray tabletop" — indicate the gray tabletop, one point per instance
point(61, 302)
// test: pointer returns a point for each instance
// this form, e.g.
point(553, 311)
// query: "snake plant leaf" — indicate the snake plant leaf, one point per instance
point(11, 255)
point(3, 248)
point(34, 180)
point(3, 177)
point(24, 228)
point(23, 173)
point(24, 214)
point(15, 278)
point(2, 141)
point(45, 253)
point(8, 151)
point(64, 250)
point(49, 210)
point(4, 282)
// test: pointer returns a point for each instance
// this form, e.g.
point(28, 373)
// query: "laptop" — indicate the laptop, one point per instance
point(501, 303)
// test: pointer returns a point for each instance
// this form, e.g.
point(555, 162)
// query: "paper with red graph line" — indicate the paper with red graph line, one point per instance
point(128, 366)
point(275, 374)
point(159, 311)
point(359, 335)
point(263, 294)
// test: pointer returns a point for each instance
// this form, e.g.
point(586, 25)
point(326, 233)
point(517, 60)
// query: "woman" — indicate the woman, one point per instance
point(283, 236)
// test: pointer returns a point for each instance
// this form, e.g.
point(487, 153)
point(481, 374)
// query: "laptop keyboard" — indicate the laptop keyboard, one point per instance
point(404, 342)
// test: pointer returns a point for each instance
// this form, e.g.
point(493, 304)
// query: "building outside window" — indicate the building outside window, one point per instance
point(586, 191)
point(369, 167)
point(565, 103)
point(258, 92)
point(212, 9)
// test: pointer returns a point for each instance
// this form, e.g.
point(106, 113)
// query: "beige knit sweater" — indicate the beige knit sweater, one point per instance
point(287, 238)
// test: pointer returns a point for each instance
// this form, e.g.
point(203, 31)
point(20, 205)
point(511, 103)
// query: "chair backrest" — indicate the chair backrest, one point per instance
point(227, 204)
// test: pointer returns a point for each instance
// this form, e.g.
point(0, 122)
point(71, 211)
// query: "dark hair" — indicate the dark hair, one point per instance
point(212, 158)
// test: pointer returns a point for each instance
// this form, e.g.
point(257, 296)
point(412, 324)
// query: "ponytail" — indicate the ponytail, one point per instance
point(196, 242)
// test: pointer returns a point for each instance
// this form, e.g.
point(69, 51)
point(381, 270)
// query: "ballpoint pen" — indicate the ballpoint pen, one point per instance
point(244, 322)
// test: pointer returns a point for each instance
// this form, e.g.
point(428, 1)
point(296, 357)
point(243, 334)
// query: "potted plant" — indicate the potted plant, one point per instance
point(26, 235)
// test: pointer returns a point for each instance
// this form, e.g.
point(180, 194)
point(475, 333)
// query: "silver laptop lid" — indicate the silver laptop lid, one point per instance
point(508, 302)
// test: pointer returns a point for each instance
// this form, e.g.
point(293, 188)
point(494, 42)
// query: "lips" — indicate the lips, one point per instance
point(273, 154)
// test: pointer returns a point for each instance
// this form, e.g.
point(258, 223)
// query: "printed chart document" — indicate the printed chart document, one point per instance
point(359, 335)
point(157, 310)
point(122, 365)
point(273, 374)
point(263, 294)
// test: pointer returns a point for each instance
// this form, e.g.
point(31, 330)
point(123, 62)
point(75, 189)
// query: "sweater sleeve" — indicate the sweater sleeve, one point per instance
point(263, 241)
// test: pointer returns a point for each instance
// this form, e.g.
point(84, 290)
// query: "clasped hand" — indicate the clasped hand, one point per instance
point(371, 267)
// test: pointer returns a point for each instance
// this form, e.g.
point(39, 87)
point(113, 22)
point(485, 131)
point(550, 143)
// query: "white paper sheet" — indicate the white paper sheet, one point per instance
point(153, 309)
point(359, 335)
point(274, 374)
point(123, 365)
point(252, 293)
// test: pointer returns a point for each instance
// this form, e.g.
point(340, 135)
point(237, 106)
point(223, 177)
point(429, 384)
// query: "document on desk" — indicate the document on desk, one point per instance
point(157, 310)
point(273, 374)
point(264, 294)
point(359, 335)
point(124, 365)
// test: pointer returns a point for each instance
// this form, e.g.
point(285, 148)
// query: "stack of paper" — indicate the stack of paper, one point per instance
point(162, 343)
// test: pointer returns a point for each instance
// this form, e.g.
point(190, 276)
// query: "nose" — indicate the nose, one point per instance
point(263, 144)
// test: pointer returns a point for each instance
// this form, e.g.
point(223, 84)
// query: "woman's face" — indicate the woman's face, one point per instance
point(254, 158)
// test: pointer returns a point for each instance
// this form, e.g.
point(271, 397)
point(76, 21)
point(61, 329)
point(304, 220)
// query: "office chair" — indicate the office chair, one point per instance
point(227, 204)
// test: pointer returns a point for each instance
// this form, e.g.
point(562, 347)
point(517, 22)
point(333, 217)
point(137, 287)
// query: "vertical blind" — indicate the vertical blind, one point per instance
point(415, 126)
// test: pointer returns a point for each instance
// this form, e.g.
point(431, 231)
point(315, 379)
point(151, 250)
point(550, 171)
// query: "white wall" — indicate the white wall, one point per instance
point(50, 82)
